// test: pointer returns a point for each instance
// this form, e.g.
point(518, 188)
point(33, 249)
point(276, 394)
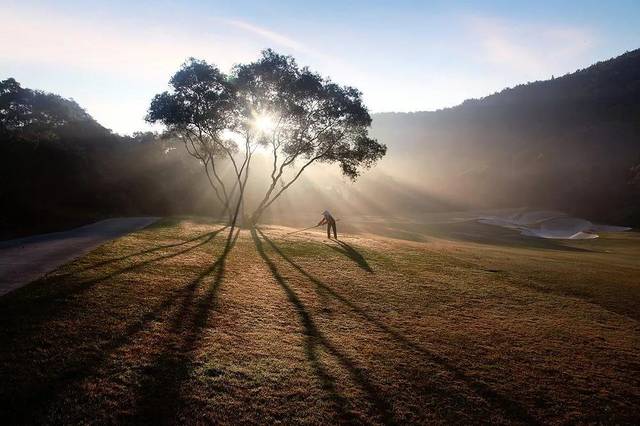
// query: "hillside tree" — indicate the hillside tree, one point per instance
point(298, 116)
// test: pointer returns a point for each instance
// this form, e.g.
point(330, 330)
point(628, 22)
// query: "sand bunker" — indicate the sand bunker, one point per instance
point(549, 224)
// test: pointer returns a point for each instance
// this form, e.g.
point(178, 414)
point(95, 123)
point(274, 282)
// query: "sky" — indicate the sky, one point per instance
point(113, 56)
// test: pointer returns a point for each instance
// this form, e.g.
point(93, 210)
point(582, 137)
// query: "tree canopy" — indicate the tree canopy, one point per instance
point(60, 167)
point(26, 113)
point(300, 116)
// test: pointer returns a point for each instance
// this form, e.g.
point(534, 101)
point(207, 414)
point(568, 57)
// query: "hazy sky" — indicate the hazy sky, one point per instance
point(113, 56)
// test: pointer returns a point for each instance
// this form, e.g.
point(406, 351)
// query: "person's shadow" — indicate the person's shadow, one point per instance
point(352, 253)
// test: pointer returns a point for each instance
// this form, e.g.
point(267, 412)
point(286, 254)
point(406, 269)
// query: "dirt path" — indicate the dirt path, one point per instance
point(25, 259)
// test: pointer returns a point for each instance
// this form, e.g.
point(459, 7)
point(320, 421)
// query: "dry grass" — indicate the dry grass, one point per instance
point(169, 325)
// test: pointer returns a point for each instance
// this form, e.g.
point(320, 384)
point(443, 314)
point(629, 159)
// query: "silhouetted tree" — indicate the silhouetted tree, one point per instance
point(310, 119)
point(29, 114)
point(201, 110)
point(59, 167)
point(300, 116)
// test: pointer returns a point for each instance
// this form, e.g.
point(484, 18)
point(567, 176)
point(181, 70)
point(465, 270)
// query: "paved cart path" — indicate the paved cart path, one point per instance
point(25, 259)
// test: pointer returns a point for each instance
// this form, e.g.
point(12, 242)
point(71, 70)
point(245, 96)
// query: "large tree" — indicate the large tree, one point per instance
point(201, 111)
point(297, 115)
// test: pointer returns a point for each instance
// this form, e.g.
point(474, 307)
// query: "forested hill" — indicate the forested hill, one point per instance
point(571, 143)
point(616, 82)
point(59, 167)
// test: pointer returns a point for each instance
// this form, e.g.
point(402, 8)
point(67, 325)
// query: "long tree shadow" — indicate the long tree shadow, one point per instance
point(69, 290)
point(510, 407)
point(74, 373)
point(147, 251)
point(161, 393)
point(351, 253)
point(43, 308)
point(315, 341)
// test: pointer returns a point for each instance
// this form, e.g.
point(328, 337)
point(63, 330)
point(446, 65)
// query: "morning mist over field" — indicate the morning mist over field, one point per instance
point(319, 212)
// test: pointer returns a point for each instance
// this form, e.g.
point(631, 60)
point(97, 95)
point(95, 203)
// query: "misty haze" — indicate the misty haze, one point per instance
point(319, 213)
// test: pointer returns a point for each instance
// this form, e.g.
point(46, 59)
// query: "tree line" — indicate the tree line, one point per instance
point(60, 165)
point(61, 168)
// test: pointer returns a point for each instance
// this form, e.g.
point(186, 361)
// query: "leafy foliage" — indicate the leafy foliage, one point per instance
point(313, 119)
point(199, 105)
point(26, 113)
point(60, 167)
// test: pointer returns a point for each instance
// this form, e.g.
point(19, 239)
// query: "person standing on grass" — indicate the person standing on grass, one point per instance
point(331, 224)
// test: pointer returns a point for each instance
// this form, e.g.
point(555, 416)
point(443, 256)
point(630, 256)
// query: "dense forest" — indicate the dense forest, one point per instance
point(61, 168)
point(570, 143)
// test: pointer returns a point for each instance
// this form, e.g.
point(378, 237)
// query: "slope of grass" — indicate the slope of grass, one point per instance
point(177, 324)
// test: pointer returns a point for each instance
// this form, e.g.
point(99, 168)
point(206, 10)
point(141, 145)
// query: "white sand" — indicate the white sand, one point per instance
point(549, 224)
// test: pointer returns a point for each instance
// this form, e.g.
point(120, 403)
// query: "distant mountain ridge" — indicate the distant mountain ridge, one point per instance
point(569, 143)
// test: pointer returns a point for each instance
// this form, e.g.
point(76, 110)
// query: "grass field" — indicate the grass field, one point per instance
point(466, 324)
